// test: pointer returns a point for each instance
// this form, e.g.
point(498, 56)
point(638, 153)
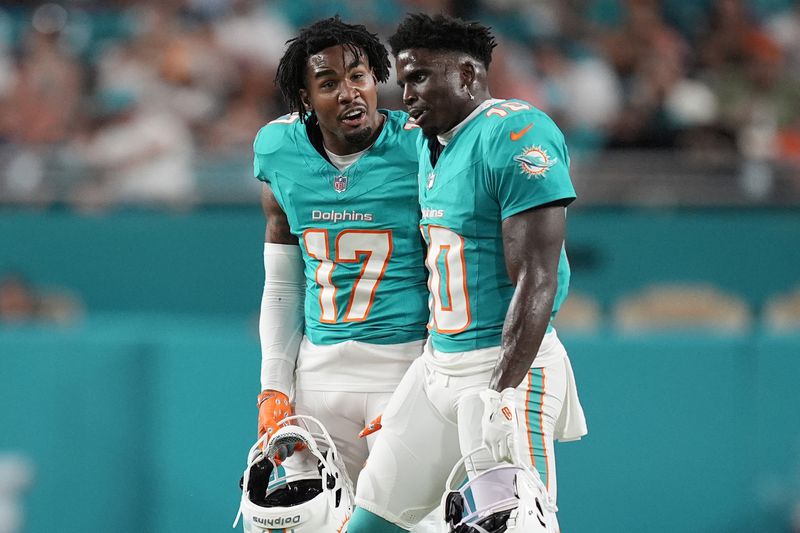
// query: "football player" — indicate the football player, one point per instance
point(344, 306)
point(493, 184)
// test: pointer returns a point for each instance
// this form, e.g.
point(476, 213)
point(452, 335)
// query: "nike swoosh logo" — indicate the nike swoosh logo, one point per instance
point(517, 135)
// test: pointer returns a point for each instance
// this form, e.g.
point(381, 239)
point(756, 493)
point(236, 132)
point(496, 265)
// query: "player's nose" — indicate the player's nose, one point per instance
point(348, 93)
point(409, 95)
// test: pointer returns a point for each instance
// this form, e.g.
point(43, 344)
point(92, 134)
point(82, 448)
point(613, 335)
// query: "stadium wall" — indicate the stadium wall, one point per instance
point(142, 425)
point(138, 417)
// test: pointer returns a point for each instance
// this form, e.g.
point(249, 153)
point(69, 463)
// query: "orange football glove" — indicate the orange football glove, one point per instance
point(273, 406)
point(371, 428)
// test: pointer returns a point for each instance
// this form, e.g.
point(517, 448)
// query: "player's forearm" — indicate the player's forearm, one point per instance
point(280, 332)
point(524, 327)
point(532, 242)
point(281, 321)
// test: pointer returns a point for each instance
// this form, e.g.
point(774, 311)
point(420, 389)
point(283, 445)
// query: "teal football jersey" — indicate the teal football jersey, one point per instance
point(358, 230)
point(507, 159)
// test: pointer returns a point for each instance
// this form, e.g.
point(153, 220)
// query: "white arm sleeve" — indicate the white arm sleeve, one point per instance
point(281, 323)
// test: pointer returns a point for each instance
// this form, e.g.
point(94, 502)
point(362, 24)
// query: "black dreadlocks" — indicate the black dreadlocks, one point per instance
point(290, 77)
point(444, 33)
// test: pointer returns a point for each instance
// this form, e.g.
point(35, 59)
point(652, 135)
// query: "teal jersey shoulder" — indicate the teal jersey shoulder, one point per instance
point(509, 158)
point(358, 229)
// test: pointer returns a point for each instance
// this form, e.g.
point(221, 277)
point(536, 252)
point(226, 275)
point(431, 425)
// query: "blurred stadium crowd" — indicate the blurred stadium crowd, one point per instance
point(105, 102)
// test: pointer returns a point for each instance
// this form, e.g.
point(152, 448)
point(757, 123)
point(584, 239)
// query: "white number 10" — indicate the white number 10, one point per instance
point(351, 246)
point(446, 247)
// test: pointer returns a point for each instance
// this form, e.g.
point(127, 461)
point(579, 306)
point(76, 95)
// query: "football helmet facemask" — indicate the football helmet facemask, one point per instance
point(318, 500)
point(508, 498)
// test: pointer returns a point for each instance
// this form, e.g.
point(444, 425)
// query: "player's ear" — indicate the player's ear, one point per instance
point(306, 100)
point(467, 72)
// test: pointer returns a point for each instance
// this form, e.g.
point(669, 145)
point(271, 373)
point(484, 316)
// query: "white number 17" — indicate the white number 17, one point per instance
point(351, 246)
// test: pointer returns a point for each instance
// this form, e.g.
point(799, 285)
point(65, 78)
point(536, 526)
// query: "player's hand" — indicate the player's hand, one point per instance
point(499, 423)
point(273, 407)
point(371, 428)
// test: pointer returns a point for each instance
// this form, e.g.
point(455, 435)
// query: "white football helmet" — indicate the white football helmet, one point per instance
point(509, 498)
point(316, 500)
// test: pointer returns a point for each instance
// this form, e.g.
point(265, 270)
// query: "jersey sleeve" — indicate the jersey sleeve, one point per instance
point(269, 142)
point(259, 169)
point(527, 162)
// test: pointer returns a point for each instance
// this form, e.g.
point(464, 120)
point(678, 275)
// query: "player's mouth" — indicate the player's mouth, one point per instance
point(417, 114)
point(354, 117)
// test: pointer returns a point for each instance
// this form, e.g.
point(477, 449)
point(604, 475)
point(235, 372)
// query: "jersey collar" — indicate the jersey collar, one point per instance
point(447, 136)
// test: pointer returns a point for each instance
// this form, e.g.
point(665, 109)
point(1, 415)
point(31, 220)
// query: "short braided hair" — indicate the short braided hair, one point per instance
point(444, 33)
point(320, 35)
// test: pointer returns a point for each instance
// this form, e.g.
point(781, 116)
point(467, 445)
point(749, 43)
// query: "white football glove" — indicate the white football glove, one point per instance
point(499, 423)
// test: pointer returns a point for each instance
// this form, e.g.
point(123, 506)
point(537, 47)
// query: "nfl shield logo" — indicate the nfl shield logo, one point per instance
point(431, 179)
point(340, 183)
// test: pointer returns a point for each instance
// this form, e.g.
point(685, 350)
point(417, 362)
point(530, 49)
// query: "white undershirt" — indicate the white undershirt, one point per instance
point(447, 136)
point(343, 161)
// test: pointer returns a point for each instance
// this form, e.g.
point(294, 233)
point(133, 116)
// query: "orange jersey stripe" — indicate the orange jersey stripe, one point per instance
point(541, 428)
point(528, 418)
